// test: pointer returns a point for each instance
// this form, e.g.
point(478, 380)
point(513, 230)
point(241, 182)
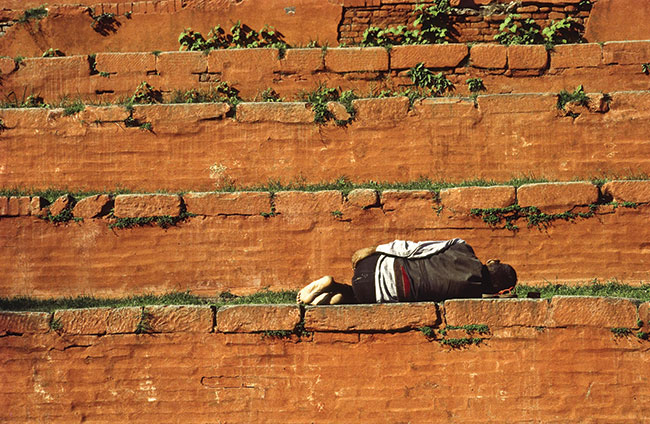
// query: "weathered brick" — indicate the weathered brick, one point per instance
point(496, 312)
point(170, 114)
point(62, 203)
point(644, 314)
point(93, 206)
point(626, 52)
point(240, 203)
point(628, 191)
point(15, 206)
point(576, 56)
point(144, 205)
point(557, 197)
point(94, 114)
point(363, 197)
point(275, 112)
point(98, 320)
point(303, 61)
point(307, 203)
point(256, 318)
point(593, 311)
point(463, 199)
point(517, 103)
point(7, 65)
point(374, 110)
point(490, 56)
point(24, 322)
point(527, 57)
point(356, 59)
point(380, 317)
point(181, 62)
point(338, 111)
point(179, 318)
point(37, 206)
point(433, 55)
point(406, 199)
point(264, 61)
point(118, 63)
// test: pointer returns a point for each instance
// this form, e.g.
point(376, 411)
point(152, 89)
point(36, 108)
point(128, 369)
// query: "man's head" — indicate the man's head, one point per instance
point(502, 276)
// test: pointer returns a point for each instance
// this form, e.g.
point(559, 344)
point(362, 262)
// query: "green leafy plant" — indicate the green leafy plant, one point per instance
point(536, 218)
point(270, 95)
point(456, 343)
point(621, 331)
point(645, 68)
point(64, 216)
point(13, 101)
point(144, 325)
point(318, 99)
point(433, 21)
point(642, 335)
point(578, 97)
point(337, 214)
point(514, 30)
point(241, 36)
point(564, 31)
point(428, 332)
point(104, 23)
point(163, 221)
point(219, 91)
point(434, 84)
point(104, 74)
point(72, 107)
point(475, 85)
point(146, 94)
point(34, 13)
point(52, 53)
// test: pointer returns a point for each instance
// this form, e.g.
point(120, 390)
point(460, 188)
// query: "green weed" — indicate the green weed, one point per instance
point(591, 288)
point(432, 84)
point(337, 214)
point(428, 332)
point(475, 85)
point(514, 30)
point(621, 331)
point(564, 31)
point(34, 13)
point(52, 53)
point(456, 343)
point(56, 325)
point(72, 107)
point(645, 68)
point(144, 325)
point(578, 97)
point(241, 36)
point(270, 95)
point(146, 94)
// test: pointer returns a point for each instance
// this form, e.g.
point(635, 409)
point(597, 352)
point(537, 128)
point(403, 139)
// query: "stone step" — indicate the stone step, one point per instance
point(108, 77)
point(243, 242)
point(200, 147)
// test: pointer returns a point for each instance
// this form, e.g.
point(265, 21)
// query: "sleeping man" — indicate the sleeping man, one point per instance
point(406, 271)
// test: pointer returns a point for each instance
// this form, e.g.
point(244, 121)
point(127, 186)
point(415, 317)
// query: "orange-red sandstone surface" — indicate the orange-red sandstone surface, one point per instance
point(196, 147)
point(541, 361)
point(244, 242)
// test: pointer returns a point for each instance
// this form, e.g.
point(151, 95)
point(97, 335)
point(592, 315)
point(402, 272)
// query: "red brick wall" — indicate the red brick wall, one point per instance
point(475, 22)
point(229, 245)
point(541, 361)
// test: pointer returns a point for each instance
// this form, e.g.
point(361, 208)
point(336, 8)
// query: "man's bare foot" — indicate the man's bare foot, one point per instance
point(313, 289)
point(327, 298)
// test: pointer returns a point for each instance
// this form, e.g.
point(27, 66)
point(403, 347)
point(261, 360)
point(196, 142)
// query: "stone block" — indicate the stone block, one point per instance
point(302, 61)
point(120, 63)
point(363, 197)
point(593, 311)
point(179, 318)
point(488, 56)
point(527, 57)
point(257, 318)
point(7, 65)
point(463, 199)
point(370, 59)
point(171, 114)
point(93, 206)
point(240, 203)
point(288, 113)
point(380, 317)
point(644, 314)
point(24, 322)
point(374, 110)
point(497, 312)
point(97, 114)
point(517, 103)
point(61, 204)
point(307, 203)
point(626, 52)
point(628, 191)
point(407, 199)
point(168, 63)
point(256, 61)
point(557, 197)
point(15, 206)
point(576, 56)
point(98, 320)
point(145, 205)
point(37, 206)
point(338, 111)
point(611, 20)
point(432, 55)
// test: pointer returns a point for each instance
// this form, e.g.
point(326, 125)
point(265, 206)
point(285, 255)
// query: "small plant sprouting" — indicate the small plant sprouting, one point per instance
point(146, 94)
point(642, 335)
point(241, 36)
point(104, 23)
point(18, 60)
point(73, 107)
point(35, 13)
point(456, 343)
point(428, 332)
point(276, 334)
point(270, 95)
point(144, 325)
point(432, 84)
point(564, 31)
point(514, 30)
point(55, 324)
point(337, 214)
point(64, 216)
point(322, 95)
point(475, 85)
point(163, 221)
point(578, 97)
point(53, 53)
point(104, 74)
point(621, 331)
point(645, 68)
